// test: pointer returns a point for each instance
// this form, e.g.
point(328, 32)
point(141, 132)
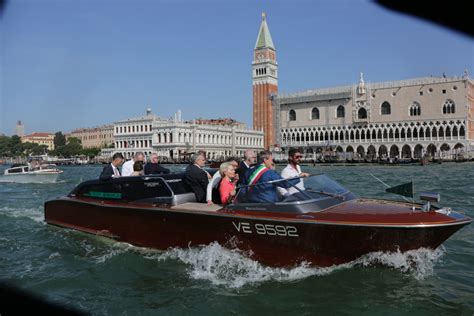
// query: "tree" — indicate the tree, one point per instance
point(59, 140)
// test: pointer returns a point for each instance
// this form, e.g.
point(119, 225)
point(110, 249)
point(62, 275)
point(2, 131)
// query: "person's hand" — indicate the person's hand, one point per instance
point(236, 178)
point(209, 202)
point(233, 192)
point(304, 174)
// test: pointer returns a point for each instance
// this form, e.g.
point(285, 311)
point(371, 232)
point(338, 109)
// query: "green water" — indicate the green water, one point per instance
point(101, 277)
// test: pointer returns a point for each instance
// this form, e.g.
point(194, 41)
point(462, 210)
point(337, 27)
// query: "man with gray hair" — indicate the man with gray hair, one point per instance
point(249, 160)
point(127, 168)
point(197, 178)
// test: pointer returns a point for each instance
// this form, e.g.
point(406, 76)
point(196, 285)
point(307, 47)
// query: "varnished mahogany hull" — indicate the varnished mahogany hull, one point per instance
point(269, 239)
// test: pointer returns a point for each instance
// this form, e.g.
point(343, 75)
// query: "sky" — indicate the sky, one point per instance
point(67, 64)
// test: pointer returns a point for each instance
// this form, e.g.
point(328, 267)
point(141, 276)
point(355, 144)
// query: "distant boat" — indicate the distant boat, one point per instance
point(45, 173)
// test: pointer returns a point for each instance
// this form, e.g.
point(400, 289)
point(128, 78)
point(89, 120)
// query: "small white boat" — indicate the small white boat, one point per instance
point(45, 173)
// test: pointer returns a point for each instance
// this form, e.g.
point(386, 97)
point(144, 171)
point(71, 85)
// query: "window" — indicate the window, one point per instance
point(421, 92)
point(449, 107)
point(362, 113)
point(315, 114)
point(385, 109)
point(444, 91)
point(415, 109)
point(340, 111)
point(292, 115)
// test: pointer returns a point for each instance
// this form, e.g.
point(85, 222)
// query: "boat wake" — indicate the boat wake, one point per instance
point(36, 214)
point(233, 269)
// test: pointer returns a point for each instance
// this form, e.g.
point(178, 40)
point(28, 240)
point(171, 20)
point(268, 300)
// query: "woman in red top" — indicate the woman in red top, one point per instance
point(227, 185)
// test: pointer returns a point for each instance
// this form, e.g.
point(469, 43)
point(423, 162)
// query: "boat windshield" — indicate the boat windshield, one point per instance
point(314, 187)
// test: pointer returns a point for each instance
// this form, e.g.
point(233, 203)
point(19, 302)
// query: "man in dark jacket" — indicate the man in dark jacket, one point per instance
point(111, 171)
point(249, 161)
point(197, 178)
point(153, 167)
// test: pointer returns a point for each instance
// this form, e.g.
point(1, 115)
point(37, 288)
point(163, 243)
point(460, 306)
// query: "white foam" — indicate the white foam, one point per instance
point(35, 214)
point(232, 268)
point(419, 263)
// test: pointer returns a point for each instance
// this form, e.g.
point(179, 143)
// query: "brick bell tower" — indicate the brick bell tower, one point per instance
point(265, 82)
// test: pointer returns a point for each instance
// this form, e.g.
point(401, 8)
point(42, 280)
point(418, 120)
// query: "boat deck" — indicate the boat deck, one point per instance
point(193, 206)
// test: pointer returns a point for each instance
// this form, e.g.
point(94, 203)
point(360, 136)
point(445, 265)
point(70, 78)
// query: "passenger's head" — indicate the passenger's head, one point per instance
point(154, 158)
point(198, 159)
point(265, 157)
point(294, 156)
point(227, 170)
point(233, 161)
point(117, 159)
point(139, 156)
point(138, 166)
point(250, 157)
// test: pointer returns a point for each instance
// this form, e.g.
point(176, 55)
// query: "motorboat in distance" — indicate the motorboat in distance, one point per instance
point(43, 173)
point(323, 225)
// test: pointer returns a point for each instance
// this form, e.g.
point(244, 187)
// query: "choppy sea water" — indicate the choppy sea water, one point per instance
point(102, 277)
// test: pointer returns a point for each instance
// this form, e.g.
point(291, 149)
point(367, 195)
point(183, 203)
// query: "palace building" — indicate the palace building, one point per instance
point(411, 118)
point(397, 119)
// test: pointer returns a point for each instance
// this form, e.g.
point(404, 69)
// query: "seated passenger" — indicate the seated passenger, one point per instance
point(215, 181)
point(111, 171)
point(137, 168)
point(127, 168)
point(153, 167)
point(197, 178)
point(292, 170)
point(259, 190)
point(227, 185)
point(249, 161)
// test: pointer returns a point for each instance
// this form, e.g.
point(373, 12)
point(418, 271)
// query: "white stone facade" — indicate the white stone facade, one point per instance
point(402, 119)
point(174, 139)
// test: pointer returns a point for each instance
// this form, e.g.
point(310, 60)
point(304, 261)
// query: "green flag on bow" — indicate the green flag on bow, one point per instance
point(405, 189)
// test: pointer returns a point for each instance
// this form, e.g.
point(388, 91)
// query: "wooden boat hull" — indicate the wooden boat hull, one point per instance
point(269, 239)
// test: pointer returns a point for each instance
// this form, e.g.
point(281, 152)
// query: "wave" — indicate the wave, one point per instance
point(36, 214)
point(233, 269)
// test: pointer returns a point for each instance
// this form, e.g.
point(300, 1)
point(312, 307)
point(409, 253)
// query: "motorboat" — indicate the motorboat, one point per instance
point(41, 173)
point(323, 225)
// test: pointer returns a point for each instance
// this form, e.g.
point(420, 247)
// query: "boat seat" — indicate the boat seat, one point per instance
point(193, 206)
point(183, 198)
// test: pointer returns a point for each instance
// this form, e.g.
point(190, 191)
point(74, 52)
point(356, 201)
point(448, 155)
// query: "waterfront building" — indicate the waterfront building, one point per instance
point(19, 129)
point(219, 138)
point(135, 134)
point(174, 138)
point(40, 139)
point(264, 82)
point(95, 137)
point(397, 119)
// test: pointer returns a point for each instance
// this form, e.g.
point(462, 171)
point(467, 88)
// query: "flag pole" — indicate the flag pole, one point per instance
point(389, 186)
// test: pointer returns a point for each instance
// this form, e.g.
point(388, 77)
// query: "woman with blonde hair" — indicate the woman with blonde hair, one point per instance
point(227, 185)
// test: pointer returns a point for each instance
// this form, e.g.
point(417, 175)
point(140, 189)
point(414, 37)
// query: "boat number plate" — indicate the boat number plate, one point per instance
point(266, 229)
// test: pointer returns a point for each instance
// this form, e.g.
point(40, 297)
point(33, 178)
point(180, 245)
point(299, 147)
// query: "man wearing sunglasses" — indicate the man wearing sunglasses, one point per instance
point(292, 170)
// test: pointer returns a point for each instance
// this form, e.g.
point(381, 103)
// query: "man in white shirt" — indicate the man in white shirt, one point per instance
point(292, 170)
point(127, 168)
